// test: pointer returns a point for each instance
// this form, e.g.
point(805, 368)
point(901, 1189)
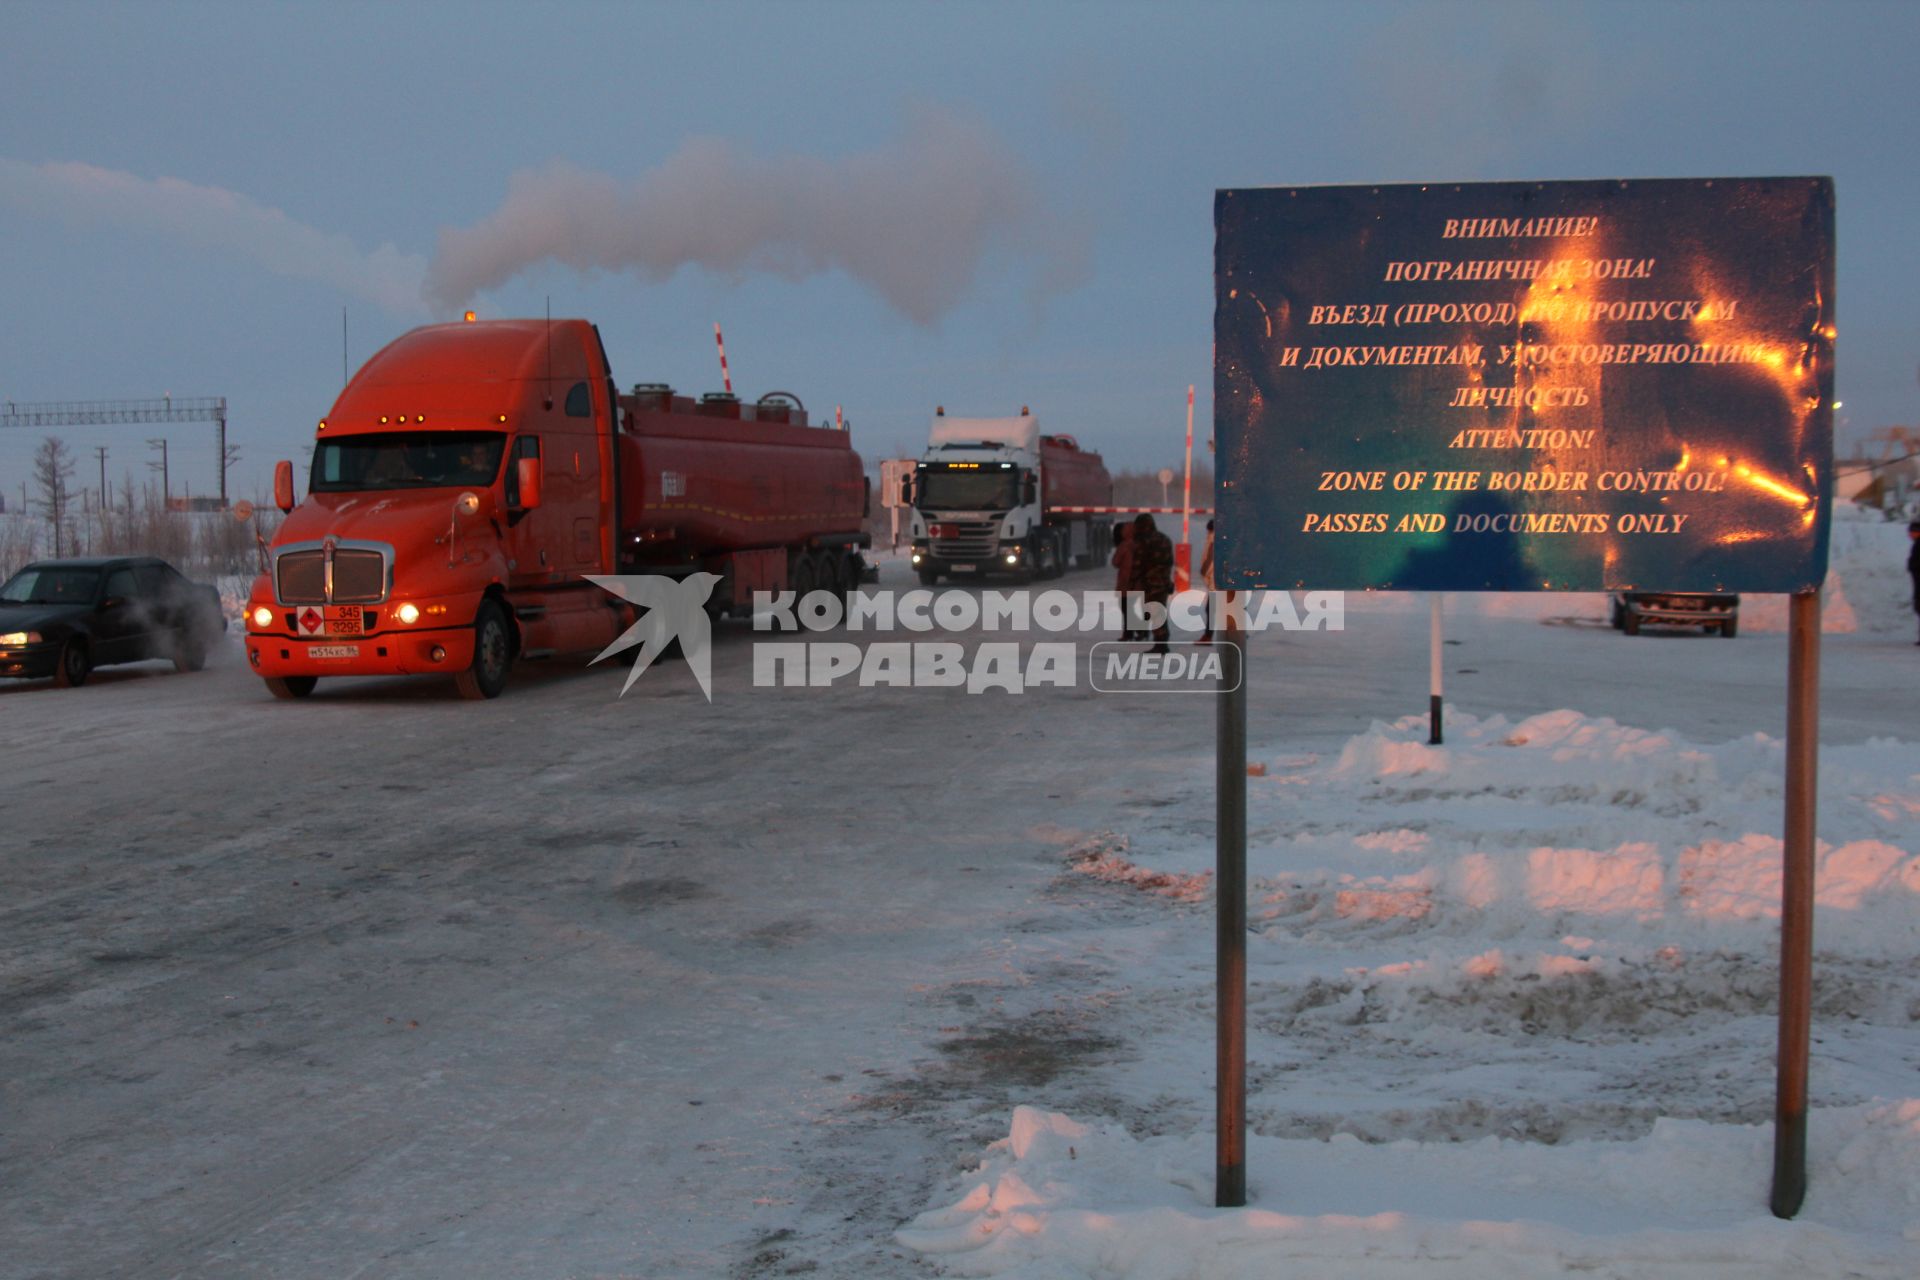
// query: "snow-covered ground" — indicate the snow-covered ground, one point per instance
point(896, 982)
point(1511, 998)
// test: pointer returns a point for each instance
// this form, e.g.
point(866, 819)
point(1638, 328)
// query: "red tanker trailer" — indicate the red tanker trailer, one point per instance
point(747, 491)
point(472, 476)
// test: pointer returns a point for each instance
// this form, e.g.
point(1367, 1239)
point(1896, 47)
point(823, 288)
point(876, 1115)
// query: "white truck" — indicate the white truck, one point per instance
point(995, 496)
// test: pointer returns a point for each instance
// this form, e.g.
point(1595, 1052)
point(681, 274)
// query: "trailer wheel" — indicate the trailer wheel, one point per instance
point(1630, 622)
point(492, 655)
point(831, 567)
point(289, 687)
point(1729, 629)
point(804, 577)
point(850, 574)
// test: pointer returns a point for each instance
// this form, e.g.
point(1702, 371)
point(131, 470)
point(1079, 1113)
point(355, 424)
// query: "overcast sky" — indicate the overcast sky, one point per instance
point(190, 195)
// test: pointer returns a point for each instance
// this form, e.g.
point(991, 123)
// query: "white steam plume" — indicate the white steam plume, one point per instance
point(214, 218)
point(913, 220)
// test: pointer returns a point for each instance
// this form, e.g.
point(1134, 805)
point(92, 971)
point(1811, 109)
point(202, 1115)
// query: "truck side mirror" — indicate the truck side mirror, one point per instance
point(527, 474)
point(283, 485)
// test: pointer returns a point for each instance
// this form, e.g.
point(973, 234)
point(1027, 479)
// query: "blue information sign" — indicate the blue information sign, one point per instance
point(1558, 386)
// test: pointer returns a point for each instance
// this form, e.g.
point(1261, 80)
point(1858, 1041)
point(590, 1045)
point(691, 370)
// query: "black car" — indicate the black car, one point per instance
point(63, 618)
point(1633, 609)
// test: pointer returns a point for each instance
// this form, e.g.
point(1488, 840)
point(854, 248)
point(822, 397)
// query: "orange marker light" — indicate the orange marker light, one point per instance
point(469, 317)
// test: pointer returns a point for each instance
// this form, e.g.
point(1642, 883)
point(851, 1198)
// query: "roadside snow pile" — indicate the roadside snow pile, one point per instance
point(1568, 822)
point(1510, 1012)
point(1059, 1199)
point(1867, 585)
point(1104, 858)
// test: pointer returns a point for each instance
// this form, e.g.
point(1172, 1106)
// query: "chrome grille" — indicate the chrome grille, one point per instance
point(359, 577)
point(965, 539)
point(302, 577)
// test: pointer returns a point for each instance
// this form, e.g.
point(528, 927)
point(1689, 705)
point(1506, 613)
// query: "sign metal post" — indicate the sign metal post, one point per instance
point(1230, 884)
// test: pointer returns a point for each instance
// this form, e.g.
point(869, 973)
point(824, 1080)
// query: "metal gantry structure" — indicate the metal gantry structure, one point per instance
point(75, 413)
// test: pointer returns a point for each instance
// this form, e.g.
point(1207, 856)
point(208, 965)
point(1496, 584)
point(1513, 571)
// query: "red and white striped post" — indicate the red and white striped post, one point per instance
point(1183, 554)
point(726, 379)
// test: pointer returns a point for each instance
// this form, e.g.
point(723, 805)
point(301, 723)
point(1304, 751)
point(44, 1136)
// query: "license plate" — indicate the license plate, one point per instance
point(964, 568)
point(333, 651)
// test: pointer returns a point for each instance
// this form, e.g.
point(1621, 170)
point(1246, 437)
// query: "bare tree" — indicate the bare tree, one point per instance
point(52, 468)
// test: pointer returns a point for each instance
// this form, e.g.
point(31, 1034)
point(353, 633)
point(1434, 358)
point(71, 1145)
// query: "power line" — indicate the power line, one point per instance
point(72, 413)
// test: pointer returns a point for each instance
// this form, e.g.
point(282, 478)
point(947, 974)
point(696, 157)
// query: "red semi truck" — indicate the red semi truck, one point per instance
point(471, 476)
point(988, 497)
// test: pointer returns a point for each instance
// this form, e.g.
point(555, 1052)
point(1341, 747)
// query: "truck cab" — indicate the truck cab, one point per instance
point(461, 489)
point(985, 500)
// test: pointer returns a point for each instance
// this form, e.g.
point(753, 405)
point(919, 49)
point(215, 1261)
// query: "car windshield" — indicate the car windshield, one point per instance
point(967, 489)
point(407, 460)
point(51, 586)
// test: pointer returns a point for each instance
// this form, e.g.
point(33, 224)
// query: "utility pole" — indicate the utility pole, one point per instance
point(105, 499)
point(226, 454)
point(161, 467)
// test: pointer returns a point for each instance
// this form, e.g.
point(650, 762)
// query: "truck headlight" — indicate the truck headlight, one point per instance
point(408, 613)
point(263, 617)
point(20, 637)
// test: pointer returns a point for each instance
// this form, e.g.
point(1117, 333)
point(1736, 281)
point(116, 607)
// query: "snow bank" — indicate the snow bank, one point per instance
point(1565, 822)
point(1058, 1199)
point(1510, 1014)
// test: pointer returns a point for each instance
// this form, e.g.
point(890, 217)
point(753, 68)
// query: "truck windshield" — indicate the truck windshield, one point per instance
point(968, 490)
point(407, 460)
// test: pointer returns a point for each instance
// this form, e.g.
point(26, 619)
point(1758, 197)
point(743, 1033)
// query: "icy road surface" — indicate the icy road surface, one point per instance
point(389, 984)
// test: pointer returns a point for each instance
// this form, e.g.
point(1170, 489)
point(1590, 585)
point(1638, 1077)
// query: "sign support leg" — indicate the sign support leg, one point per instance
point(1230, 894)
point(1796, 907)
point(1433, 676)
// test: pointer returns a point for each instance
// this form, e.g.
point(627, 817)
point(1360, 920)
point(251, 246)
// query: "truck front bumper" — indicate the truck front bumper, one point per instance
point(386, 653)
point(1004, 557)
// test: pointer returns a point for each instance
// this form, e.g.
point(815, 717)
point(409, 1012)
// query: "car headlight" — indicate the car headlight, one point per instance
point(408, 613)
point(20, 637)
point(263, 617)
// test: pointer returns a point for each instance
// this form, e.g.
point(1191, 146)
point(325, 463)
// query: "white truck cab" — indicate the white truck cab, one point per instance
point(980, 499)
